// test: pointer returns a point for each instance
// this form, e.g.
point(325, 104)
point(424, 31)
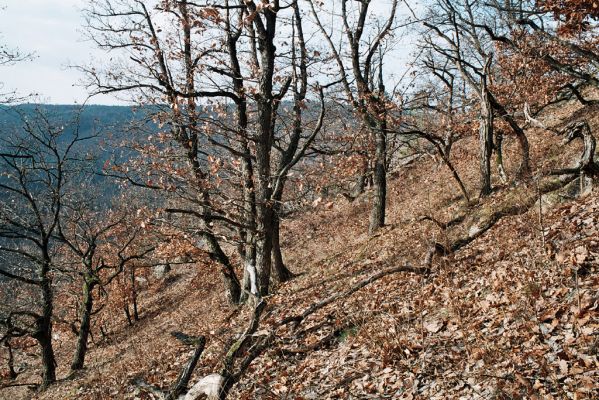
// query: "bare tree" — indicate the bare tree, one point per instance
point(436, 112)
point(457, 33)
point(37, 162)
point(222, 114)
point(102, 243)
point(358, 75)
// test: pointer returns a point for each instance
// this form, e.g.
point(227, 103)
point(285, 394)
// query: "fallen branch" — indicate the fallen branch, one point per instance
point(32, 385)
point(180, 385)
point(321, 304)
point(252, 344)
point(443, 225)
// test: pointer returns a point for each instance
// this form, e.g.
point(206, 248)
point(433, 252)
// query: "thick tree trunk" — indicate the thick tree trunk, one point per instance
point(377, 214)
point(85, 326)
point(264, 247)
point(44, 332)
point(524, 170)
point(499, 156)
point(249, 244)
point(485, 144)
point(264, 203)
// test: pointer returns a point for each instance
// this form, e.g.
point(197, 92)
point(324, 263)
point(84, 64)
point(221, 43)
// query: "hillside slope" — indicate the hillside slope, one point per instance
point(509, 315)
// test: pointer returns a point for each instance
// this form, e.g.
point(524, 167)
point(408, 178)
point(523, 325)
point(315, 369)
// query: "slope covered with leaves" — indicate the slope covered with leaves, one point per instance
point(512, 314)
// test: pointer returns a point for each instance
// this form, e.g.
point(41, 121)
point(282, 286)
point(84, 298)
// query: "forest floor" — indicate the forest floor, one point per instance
point(513, 314)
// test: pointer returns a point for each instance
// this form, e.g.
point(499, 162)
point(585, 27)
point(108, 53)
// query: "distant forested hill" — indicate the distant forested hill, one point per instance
point(92, 117)
point(105, 125)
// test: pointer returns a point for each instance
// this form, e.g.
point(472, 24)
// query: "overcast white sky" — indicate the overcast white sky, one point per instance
point(51, 30)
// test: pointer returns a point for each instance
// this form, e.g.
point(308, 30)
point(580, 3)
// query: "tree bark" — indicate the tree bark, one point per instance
point(524, 169)
point(485, 142)
point(266, 29)
point(264, 247)
point(85, 326)
point(43, 332)
point(12, 374)
point(282, 273)
point(180, 385)
point(377, 214)
point(499, 156)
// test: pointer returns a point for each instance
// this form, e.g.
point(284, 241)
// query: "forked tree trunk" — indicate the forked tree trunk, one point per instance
point(247, 250)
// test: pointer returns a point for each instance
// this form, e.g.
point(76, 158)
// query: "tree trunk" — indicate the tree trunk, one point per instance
point(454, 173)
point(359, 185)
point(485, 143)
point(264, 204)
point(250, 220)
point(133, 294)
point(249, 263)
point(377, 214)
point(12, 374)
point(524, 169)
point(135, 312)
point(264, 247)
point(44, 332)
point(499, 156)
point(228, 273)
point(282, 273)
point(127, 313)
point(85, 326)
